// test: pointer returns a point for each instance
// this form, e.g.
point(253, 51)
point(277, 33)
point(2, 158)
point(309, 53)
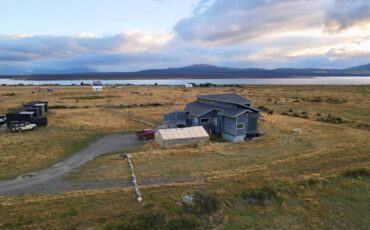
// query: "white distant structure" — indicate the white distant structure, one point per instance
point(188, 85)
point(190, 135)
point(97, 86)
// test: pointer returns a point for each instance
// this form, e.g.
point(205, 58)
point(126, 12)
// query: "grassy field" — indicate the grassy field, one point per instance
point(292, 178)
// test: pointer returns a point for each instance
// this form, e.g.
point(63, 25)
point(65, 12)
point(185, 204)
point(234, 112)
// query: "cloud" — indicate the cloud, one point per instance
point(83, 51)
point(344, 14)
point(235, 21)
point(237, 33)
point(220, 22)
point(28, 48)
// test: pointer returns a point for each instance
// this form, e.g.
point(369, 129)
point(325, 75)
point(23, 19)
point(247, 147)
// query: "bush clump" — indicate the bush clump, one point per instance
point(263, 108)
point(8, 94)
point(184, 222)
point(331, 100)
point(202, 203)
point(261, 196)
point(356, 173)
point(332, 119)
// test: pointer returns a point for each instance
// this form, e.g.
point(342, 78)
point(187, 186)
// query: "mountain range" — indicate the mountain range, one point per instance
point(199, 71)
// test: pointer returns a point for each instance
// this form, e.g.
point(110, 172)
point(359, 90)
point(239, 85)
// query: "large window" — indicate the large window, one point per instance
point(240, 126)
point(204, 120)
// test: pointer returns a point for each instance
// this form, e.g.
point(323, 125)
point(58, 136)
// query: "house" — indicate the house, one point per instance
point(189, 85)
point(228, 115)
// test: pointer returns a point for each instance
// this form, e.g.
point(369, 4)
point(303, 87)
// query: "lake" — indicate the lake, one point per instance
point(254, 81)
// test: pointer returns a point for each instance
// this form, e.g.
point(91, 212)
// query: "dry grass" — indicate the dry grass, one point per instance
point(28, 151)
point(283, 158)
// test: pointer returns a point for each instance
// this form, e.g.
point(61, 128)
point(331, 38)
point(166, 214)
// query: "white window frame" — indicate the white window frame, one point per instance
point(204, 122)
point(237, 124)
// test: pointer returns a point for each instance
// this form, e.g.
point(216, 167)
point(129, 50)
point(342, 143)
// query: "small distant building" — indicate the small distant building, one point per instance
point(44, 89)
point(97, 86)
point(97, 83)
point(227, 115)
point(190, 135)
point(188, 85)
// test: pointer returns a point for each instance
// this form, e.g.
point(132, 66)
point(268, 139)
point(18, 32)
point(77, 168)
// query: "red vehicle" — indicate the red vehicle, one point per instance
point(146, 134)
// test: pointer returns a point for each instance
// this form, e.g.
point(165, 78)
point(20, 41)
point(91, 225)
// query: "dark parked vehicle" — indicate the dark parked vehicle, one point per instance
point(146, 134)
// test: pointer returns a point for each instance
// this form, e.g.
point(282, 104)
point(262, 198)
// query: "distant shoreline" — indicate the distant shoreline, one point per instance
point(108, 78)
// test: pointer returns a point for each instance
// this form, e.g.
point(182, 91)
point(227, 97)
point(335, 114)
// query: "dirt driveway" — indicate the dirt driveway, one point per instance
point(48, 179)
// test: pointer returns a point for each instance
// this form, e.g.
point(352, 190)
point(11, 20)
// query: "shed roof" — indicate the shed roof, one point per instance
point(226, 97)
point(26, 112)
point(35, 103)
point(17, 111)
point(183, 133)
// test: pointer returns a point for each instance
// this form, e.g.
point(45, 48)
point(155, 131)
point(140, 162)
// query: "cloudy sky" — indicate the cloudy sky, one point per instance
point(38, 36)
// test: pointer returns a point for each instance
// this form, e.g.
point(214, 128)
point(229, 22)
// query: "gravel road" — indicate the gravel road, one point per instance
point(48, 180)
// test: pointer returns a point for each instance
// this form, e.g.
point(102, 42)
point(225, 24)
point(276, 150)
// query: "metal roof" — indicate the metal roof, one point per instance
point(35, 103)
point(175, 116)
point(183, 133)
point(198, 109)
point(226, 97)
point(17, 111)
point(26, 112)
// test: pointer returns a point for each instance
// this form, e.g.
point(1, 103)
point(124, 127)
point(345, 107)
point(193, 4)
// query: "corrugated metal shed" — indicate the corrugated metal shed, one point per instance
point(191, 135)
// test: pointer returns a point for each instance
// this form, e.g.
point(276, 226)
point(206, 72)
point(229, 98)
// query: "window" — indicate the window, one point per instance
point(204, 120)
point(240, 126)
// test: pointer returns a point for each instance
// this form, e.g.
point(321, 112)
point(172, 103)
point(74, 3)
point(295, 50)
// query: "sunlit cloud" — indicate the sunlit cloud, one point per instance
point(237, 33)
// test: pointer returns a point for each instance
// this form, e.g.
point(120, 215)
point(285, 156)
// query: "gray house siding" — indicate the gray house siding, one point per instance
point(244, 120)
point(229, 125)
point(252, 122)
point(175, 119)
point(212, 123)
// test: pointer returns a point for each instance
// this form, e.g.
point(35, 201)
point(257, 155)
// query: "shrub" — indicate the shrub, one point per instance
point(332, 119)
point(152, 220)
point(8, 94)
point(202, 203)
point(317, 99)
point(263, 108)
point(260, 197)
point(184, 222)
point(331, 100)
point(356, 173)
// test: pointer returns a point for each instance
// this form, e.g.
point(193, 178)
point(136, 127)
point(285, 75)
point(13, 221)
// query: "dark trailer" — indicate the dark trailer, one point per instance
point(18, 115)
point(42, 107)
